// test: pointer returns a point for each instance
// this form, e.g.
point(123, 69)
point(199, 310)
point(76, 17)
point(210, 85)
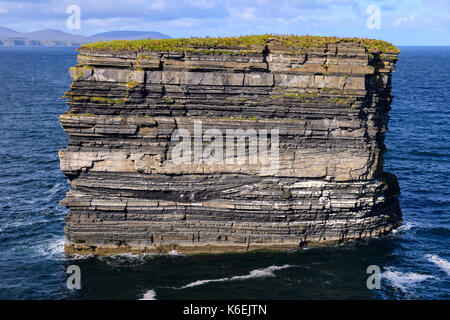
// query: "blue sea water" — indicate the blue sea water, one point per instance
point(414, 259)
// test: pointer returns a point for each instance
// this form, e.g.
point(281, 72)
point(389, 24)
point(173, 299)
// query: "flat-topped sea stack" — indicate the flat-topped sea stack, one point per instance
point(209, 145)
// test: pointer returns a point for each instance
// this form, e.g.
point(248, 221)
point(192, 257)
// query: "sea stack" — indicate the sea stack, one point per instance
point(153, 168)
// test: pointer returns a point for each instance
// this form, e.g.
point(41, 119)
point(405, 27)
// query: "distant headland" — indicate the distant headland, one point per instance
point(53, 37)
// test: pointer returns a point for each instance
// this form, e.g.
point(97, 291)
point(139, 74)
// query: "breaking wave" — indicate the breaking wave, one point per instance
point(404, 227)
point(174, 253)
point(55, 190)
point(257, 273)
point(404, 280)
point(76, 256)
point(149, 295)
point(21, 224)
point(440, 262)
point(52, 248)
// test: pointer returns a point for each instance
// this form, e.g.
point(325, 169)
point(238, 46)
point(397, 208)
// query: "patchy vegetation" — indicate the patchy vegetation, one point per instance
point(237, 45)
point(296, 95)
point(99, 99)
point(305, 42)
point(131, 84)
point(75, 115)
point(80, 71)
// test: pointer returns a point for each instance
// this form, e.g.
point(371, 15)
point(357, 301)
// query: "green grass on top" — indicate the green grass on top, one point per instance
point(182, 44)
point(253, 43)
point(305, 42)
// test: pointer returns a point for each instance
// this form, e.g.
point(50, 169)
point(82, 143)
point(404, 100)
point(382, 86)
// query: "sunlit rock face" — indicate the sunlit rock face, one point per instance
point(319, 112)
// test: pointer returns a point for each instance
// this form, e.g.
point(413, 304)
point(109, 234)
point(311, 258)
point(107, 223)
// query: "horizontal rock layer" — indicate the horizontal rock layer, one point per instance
point(328, 104)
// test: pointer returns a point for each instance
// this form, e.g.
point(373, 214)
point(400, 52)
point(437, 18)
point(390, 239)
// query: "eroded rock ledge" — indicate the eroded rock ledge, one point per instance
point(328, 97)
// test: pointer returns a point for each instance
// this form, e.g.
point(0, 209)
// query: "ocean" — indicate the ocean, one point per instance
point(414, 259)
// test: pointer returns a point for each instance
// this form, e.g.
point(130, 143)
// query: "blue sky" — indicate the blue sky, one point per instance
point(403, 22)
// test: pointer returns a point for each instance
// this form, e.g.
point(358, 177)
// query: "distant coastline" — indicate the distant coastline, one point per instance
point(52, 37)
point(37, 43)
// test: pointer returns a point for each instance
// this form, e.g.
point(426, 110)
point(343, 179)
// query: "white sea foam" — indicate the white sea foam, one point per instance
point(440, 262)
point(22, 224)
point(149, 295)
point(126, 255)
point(137, 257)
point(403, 280)
point(54, 190)
point(174, 253)
point(404, 227)
point(52, 248)
point(76, 256)
point(128, 259)
point(257, 273)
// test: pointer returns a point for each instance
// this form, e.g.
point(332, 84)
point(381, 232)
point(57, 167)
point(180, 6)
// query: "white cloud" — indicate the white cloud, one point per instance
point(158, 5)
point(206, 4)
point(299, 19)
point(3, 10)
point(337, 1)
point(399, 21)
point(248, 14)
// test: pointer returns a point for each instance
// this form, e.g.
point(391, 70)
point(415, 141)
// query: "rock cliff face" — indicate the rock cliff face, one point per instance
point(319, 105)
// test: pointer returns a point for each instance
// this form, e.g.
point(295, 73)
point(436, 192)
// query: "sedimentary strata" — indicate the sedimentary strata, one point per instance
point(327, 98)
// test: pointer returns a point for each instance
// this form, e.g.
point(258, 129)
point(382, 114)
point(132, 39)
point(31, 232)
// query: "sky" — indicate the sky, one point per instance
point(402, 22)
